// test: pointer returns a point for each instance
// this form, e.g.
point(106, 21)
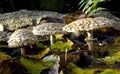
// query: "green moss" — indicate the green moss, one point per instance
point(113, 49)
point(77, 71)
point(92, 71)
point(4, 57)
point(39, 55)
point(109, 60)
point(40, 45)
point(101, 50)
point(35, 67)
point(74, 69)
point(61, 46)
point(117, 41)
point(114, 55)
point(110, 71)
point(89, 71)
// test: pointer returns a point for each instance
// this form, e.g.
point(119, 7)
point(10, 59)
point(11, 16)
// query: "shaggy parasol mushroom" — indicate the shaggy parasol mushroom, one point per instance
point(89, 24)
point(21, 38)
point(48, 29)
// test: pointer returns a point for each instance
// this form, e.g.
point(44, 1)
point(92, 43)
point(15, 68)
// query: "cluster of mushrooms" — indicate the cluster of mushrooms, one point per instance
point(27, 36)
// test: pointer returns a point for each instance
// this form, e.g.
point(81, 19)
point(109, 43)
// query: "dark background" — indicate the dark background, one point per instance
point(63, 6)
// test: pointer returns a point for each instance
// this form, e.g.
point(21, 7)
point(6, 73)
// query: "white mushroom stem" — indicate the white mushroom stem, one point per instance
point(89, 40)
point(22, 50)
point(51, 39)
point(77, 33)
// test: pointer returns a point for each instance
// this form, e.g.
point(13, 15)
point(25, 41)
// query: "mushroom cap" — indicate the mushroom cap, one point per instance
point(48, 29)
point(22, 37)
point(87, 24)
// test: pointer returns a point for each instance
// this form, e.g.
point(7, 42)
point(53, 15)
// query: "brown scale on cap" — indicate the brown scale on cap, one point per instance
point(21, 38)
point(88, 25)
point(48, 29)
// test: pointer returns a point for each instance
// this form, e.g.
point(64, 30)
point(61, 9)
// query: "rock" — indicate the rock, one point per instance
point(110, 16)
point(51, 20)
point(4, 36)
point(24, 18)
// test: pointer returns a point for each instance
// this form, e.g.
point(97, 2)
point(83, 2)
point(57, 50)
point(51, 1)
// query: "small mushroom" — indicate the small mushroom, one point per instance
point(21, 38)
point(88, 25)
point(48, 29)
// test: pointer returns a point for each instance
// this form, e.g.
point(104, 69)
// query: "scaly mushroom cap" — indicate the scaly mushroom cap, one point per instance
point(87, 24)
point(48, 29)
point(22, 37)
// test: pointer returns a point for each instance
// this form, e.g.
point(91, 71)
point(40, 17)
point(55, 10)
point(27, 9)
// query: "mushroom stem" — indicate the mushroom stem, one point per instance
point(22, 50)
point(77, 33)
point(89, 40)
point(66, 54)
point(51, 40)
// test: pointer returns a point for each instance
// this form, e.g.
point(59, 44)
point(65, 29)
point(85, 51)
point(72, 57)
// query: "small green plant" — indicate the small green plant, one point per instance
point(110, 71)
point(117, 41)
point(35, 67)
point(4, 57)
point(60, 46)
point(109, 60)
point(91, 6)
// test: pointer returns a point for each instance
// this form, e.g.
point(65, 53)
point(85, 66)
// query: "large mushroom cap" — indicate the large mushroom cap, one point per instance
point(87, 24)
point(21, 37)
point(48, 29)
